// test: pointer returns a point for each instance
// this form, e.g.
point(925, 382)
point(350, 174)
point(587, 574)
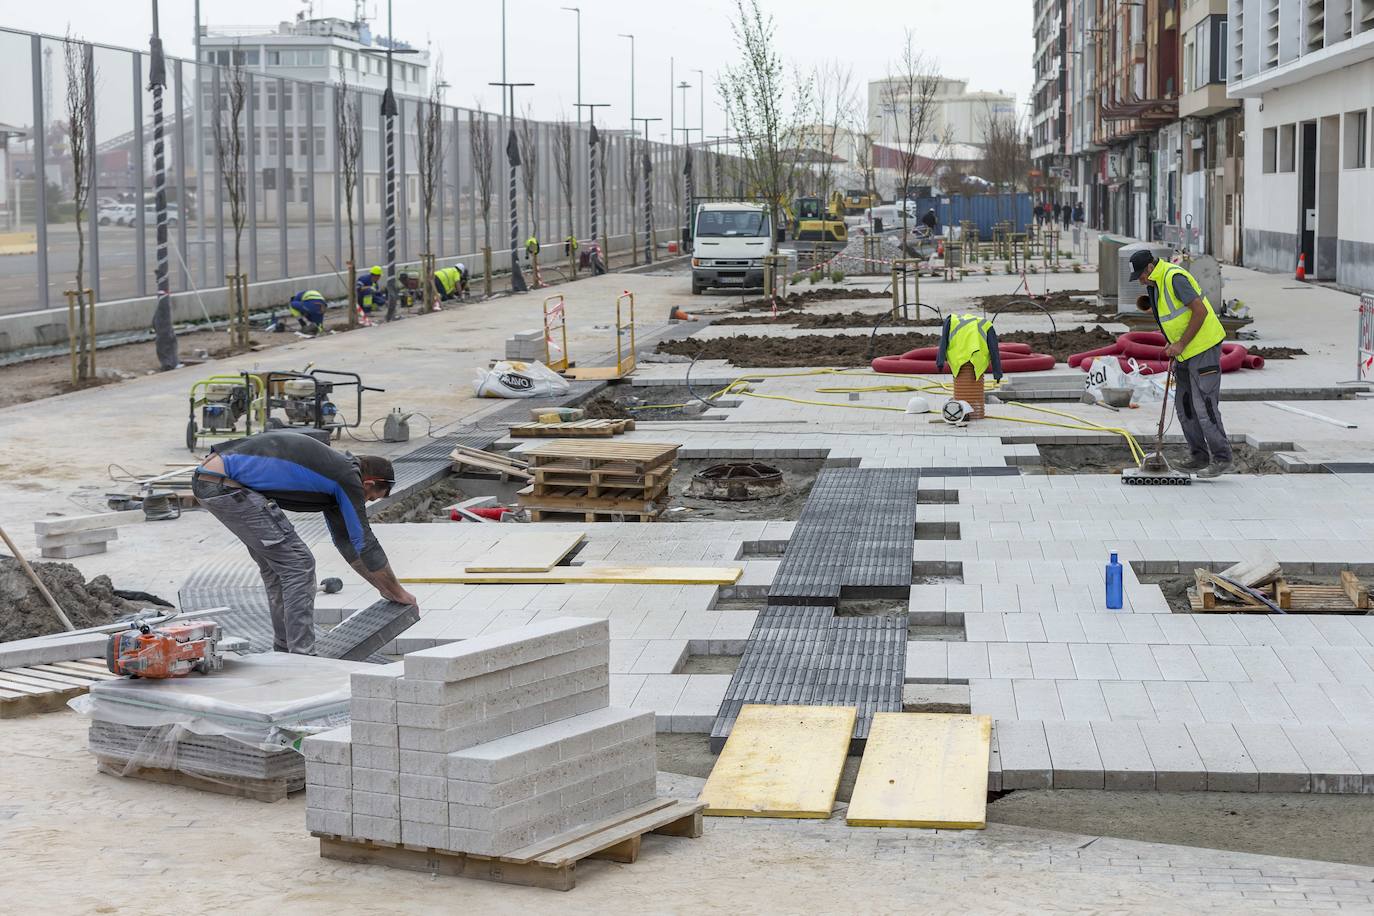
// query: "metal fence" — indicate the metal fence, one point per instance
point(296, 225)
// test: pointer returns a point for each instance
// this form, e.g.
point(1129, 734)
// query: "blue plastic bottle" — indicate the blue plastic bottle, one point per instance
point(1114, 585)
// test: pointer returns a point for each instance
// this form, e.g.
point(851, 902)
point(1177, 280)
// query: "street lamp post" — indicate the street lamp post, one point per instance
point(593, 160)
point(632, 78)
point(162, 315)
point(517, 279)
point(682, 87)
point(648, 195)
point(389, 112)
point(578, 11)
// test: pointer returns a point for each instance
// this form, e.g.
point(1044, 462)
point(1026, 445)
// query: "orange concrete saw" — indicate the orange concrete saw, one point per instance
point(173, 650)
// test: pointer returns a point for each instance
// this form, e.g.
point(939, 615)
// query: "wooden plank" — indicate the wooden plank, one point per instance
point(263, 790)
point(588, 517)
point(781, 761)
point(449, 864)
point(58, 681)
point(1203, 580)
point(535, 551)
point(923, 770)
point(612, 575)
point(1357, 593)
point(576, 498)
point(497, 457)
point(602, 839)
point(1283, 594)
point(485, 465)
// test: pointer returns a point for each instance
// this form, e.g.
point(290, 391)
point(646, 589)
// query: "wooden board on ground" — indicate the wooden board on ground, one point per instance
point(577, 499)
point(263, 790)
point(463, 457)
point(923, 770)
point(1350, 596)
point(46, 688)
point(635, 457)
point(576, 429)
point(534, 551)
point(569, 516)
point(597, 373)
point(781, 761)
point(613, 575)
point(550, 864)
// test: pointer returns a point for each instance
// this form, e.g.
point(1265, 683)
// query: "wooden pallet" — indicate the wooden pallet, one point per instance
point(630, 457)
point(550, 864)
point(548, 478)
point(502, 465)
point(569, 515)
point(263, 790)
point(1351, 596)
point(577, 499)
point(45, 688)
point(578, 429)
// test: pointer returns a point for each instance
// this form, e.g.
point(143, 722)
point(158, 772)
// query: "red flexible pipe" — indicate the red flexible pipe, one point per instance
point(1147, 349)
point(1016, 357)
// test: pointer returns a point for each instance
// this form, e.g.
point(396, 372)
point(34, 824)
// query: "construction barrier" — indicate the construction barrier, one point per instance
point(1364, 348)
point(555, 323)
point(1146, 349)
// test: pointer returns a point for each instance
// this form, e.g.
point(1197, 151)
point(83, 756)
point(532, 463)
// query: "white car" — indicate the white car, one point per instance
point(118, 214)
point(150, 214)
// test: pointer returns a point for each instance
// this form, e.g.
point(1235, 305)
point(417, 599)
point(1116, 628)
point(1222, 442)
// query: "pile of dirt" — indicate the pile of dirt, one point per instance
point(802, 298)
point(1057, 301)
point(87, 604)
point(1112, 459)
point(853, 350)
point(1276, 352)
point(604, 408)
point(808, 321)
point(424, 505)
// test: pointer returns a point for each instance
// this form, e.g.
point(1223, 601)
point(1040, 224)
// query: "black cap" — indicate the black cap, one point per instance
point(1140, 261)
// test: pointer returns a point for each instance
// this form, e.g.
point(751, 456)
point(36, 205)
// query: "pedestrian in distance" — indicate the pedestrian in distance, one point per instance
point(246, 483)
point(1194, 336)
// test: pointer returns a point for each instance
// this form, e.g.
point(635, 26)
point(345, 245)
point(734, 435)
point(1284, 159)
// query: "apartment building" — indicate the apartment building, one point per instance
point(1048, 100)
point(1212, 180)
point(1304, 70)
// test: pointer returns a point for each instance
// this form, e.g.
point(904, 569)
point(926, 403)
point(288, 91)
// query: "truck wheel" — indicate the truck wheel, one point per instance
point(696, 290)
point(191, 435)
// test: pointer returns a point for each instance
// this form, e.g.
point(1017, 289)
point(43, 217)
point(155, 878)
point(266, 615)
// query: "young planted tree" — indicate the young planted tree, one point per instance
point(79, 61)
point(230, 150)
point(348, 134)
point(632, 164)
point(909, 99)
point(1006, 153)
point(863, 164)
point(768, 107)
point(479, 139)
point(529, 169)
point(429, 156)
point(563, 171)
point(835, 105)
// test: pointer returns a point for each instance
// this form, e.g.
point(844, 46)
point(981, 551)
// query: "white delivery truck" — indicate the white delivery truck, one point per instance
point(730, 240)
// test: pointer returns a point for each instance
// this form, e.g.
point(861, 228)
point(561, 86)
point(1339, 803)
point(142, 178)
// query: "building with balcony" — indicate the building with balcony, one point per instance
point(1048, 100)
point(1305, 72)
point(1213, 125)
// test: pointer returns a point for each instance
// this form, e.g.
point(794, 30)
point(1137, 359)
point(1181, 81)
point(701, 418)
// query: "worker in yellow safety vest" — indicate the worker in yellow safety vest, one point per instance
point(1195, 334)
point(969, 339)
point(450, 282)
point(531, 247)
point(371, 291)
point(570, 246)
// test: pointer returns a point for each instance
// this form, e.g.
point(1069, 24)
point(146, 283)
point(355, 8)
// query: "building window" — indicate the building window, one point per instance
point(1288, 141)
point(1271, 145)
point(1356, 139)
point(1189, 60)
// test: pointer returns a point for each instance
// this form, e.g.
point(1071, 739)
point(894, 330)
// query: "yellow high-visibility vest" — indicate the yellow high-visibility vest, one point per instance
point(968, 343)
point(1174, 316)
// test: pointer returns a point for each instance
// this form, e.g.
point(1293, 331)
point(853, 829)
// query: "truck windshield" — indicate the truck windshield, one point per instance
point(730, 223)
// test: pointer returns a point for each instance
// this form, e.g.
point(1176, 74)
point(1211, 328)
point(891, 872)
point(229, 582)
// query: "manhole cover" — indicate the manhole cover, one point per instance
point(736, 480)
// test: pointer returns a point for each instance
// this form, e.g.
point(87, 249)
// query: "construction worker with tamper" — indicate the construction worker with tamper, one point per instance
point(1194, 336)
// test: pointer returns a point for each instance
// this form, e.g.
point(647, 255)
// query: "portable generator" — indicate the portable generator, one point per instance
point(225, 407)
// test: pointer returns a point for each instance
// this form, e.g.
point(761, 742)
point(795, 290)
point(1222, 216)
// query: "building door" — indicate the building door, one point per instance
point(1307, 195)
point(1328, 198)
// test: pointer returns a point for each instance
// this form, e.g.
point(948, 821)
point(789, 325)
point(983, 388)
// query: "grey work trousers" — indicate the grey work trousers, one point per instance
point(1197, 401)
point(286, 563)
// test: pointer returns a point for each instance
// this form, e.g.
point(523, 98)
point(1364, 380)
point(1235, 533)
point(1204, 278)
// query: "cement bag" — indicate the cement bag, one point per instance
point(518, 380)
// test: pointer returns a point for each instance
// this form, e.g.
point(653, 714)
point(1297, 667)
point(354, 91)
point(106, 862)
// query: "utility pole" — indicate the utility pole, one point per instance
point(687, 157)
point(162, 316)
point(517, 279)
point(648, 195)
point(672, 112)
point(593, 160)
point(578, 11)
point(701, 104)
point(632, 79)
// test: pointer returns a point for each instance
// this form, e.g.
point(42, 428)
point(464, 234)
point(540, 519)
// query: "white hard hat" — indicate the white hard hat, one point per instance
point(918, 404)
point(956, 413)
point(461, 266)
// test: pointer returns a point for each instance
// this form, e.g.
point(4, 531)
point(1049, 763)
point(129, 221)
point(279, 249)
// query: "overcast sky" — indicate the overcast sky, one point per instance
point(988, 42)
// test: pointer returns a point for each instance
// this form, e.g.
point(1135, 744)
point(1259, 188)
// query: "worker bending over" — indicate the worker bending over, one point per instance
point(371, 290)
point(451, 282)
point(308, 308)
point(246, 483)
point(531, 247)
point(1195, 335)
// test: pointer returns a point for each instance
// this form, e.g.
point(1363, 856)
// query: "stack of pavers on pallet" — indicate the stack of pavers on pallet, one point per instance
point(483, 746)
point(526, 346)
point(81, 535)
point(597, 481)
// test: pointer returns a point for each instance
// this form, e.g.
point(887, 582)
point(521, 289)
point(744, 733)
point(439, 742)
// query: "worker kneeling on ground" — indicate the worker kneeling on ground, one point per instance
point(451, 282)
point(246, 483)
point(531, 247)
point(308, 308)
point(1195, 335)
point(371, 291)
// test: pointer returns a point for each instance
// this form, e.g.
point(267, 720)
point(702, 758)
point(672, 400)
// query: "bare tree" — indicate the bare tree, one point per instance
point(632, 164)
point(909, 98)
point(863, 165)
point(479, 138)
point(1006, 152)
point(563, 169)
point(430, 151)
point(768, 107)
point(835, 104)
point(348, 133)
point(79, 61)
point(529, 169)
point(230, 150)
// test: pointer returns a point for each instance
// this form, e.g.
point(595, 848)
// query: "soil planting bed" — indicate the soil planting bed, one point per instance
point(710, 664)
point(848, 350)
point(1112, 459)
point(833, 320)
point(626, 403)
point(87, 604)
point(1276, 352)
point(1058, 301)
point(805, 297)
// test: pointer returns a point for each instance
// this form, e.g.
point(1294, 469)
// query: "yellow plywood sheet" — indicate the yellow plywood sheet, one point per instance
point(781, 761)
point(534, 551)
point(923, 770)
point(595, 373)
point(611, 575)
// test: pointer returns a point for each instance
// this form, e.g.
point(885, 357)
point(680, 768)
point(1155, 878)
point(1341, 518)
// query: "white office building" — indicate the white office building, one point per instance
point(1305, 69)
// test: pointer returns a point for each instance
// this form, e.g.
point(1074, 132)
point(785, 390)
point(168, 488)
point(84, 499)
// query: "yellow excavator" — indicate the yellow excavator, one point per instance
point(811, 221)
point(856, 201)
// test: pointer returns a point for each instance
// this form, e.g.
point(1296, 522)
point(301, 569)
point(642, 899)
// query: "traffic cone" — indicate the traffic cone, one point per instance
point(940, 249)
point(677, 313)
point(1301, 273)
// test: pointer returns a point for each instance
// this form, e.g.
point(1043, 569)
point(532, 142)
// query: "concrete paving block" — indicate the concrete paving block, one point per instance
point(1025, 628)
point(1065, 628)
point(378, 829)
point(1219, 663)
point(1126, 764)
point(1093, 662)
point(364, 709)
point(1074, 757)
point(1173, 701)
point(1311, 705)
point(1082, 701)
point(1025, 755)
point(450, 715)
point(430, 788)
point(432, 836)
point(1176, 663)
point(992, 697)
point(1178, 766)
point(330, 775)
point(333, 746)
point(984, 627)
point(424, 811)
point(377, 684)
point(372, 757)
point(1331, 766)
point(376, 804)
point(1346, 664)
point(374, 734)
point(1358, 744)
point(429, 764)
point(623, 688)
point(1135, 663)
point(1036, 700)
point(1051, 661)
point(92, 536)
point(447, 740)
point(927, 662)
point(967, 661)
point(69, 524)
point(1180, 630)
point(1303, 664)
point(1224, 757)
point(441, 693)
point(699, 703)
point(1264, 704)
point(380, 782)
point(1280, 766)
point(328, 798)
point(72, 551)
point(1128, 701)
point(1008, 660)
point(333, 823)
point(1219, 702)
point(520, 754)
point(506, 648)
